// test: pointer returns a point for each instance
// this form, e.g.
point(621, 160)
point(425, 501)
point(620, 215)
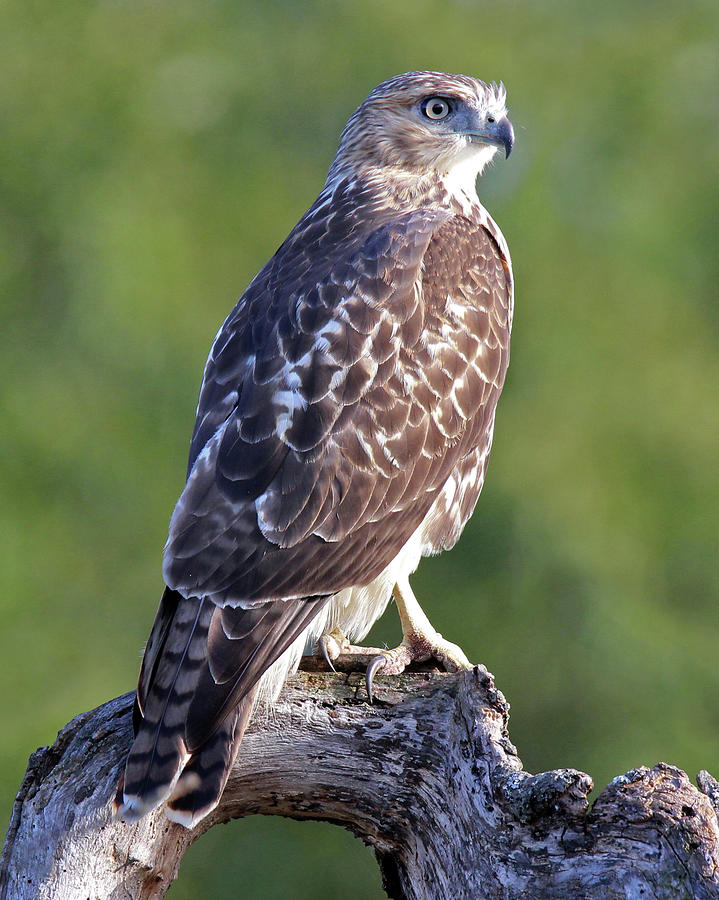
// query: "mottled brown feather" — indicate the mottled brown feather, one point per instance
point(291, 507)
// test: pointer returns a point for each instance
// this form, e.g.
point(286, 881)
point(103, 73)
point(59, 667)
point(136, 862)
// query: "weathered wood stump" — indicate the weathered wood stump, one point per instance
point(427, 776)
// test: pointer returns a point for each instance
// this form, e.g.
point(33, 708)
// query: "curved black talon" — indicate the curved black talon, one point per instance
point(326, 655)
point(379, 662)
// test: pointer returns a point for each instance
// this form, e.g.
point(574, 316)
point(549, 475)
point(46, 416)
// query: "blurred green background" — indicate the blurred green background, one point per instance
point(154, 154)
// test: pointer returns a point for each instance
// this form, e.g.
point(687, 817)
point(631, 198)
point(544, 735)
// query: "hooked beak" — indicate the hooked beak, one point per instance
point(500, 133)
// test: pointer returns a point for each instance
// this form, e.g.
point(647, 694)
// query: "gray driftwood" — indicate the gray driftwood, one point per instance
point(427, 776)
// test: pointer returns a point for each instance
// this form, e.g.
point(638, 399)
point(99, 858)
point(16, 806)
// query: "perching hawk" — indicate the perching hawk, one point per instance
point(343, 431)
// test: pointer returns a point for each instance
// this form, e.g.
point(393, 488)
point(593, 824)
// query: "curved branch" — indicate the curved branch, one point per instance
point(427, 776)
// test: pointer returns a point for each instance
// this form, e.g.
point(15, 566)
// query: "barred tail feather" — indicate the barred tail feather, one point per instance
point(159, 753)
point(197, 687)
point(199, 788)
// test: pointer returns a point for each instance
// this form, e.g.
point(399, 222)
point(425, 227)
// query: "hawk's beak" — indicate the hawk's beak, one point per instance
point(504, 135)
point(499, 132)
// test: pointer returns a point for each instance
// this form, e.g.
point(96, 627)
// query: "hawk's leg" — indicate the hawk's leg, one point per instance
point(420, 641)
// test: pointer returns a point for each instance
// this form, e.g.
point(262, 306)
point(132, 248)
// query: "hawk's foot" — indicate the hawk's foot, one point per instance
point(419, 641)
point(332, 644)
point(416, 646)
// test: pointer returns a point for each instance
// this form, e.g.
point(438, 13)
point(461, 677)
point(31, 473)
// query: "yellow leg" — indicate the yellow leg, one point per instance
point(420, 641)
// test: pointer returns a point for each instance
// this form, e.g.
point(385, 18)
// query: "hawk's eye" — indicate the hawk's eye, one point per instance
point(436, 108)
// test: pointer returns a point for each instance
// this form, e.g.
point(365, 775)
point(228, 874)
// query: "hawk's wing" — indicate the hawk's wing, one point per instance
point(357, 370)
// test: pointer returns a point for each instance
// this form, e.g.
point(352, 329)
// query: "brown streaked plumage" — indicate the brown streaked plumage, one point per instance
point(343, 431)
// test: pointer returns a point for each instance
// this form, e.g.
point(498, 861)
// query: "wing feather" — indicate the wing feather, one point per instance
point(381, 357)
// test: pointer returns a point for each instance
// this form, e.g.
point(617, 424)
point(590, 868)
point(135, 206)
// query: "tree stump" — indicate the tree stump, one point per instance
point(427, 776)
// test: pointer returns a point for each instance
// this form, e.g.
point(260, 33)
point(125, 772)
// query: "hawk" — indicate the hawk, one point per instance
point(343, 431)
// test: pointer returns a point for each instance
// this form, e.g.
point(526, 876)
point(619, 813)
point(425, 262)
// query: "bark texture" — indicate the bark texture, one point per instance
point(427, 776)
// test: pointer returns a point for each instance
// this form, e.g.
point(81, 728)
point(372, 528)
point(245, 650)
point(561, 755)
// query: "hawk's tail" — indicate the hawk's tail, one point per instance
point(195, 790)
point(199, 788)
point(197, 688)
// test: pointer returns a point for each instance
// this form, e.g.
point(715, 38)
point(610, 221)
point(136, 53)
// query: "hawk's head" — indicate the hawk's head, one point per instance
point(425, 122)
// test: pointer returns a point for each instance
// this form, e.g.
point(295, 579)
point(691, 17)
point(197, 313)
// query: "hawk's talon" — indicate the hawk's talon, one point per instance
point(417, 647)
point(332, 644)
point(379, 662)
point(325, 652)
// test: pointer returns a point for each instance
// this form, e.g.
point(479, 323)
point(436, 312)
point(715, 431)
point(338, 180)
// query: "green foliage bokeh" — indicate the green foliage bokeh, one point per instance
point(154, 154)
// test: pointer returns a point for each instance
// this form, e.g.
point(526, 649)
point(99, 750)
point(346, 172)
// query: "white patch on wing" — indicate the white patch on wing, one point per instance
point(304, 362)
point(409, 380)
point(337, 379)
point(366, 446)
point(333, 327)
point(458, 311)
point(290, 401)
